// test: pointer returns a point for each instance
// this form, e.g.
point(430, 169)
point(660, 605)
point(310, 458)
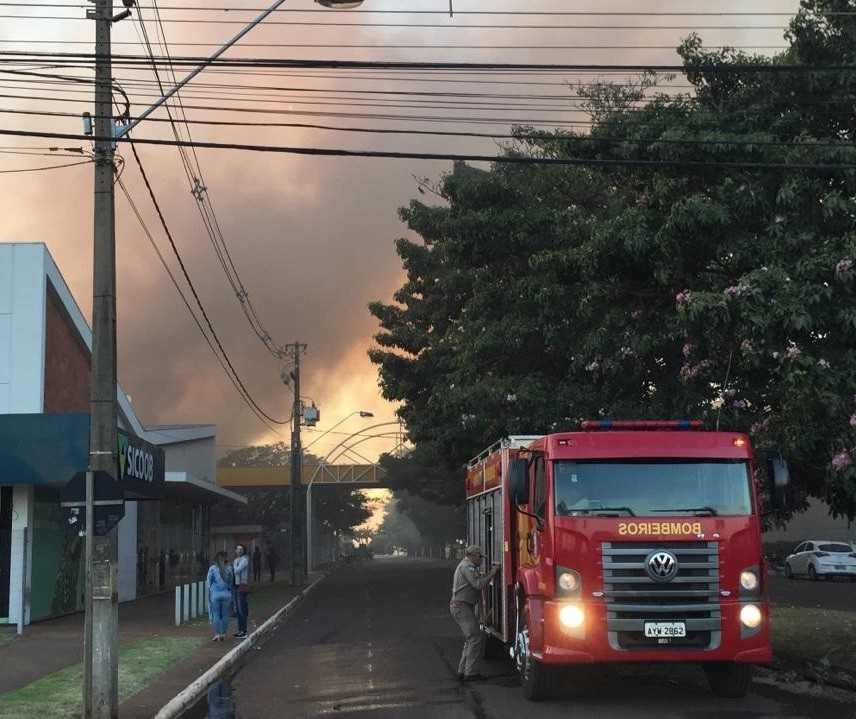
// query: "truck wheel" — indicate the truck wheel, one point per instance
point(534, 675)
point(729, 679)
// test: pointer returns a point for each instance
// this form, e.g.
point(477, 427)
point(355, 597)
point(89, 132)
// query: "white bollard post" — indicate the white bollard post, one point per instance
point(185, 603)
point(193, 598)
point(178, 606)
point(203, 599)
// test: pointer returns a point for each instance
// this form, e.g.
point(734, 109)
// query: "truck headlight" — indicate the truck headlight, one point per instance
point(749, 580)
point(571, 616)
point(750, 616)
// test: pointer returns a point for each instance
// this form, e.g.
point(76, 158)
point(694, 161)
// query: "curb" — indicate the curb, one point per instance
point(817, 671)
point(193, 692)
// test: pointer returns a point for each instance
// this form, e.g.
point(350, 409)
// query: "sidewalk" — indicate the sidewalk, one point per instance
point(55, 644)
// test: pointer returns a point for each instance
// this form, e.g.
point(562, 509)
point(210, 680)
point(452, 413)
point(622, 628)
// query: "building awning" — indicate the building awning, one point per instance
point(49, 449)
point(188, 487)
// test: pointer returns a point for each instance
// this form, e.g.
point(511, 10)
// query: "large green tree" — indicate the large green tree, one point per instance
point(699, 262)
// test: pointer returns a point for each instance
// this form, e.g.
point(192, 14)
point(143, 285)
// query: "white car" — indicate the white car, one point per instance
point(821, 558)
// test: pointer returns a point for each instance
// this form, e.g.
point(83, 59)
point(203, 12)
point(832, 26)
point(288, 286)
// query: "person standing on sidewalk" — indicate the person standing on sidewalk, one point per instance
point(257, 564)
point(241, 568)
point(219, 583)
point(271, 562)
point(467, 584)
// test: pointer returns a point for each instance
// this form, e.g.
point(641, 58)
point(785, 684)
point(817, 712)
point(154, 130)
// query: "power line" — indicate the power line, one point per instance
point(213, 333)
point(181, 294)
point(46, 168)
point(19, 56)
point(501, 159)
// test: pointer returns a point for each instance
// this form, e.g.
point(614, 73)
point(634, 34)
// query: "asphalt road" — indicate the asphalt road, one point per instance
point(800, 592)
point(374, 641)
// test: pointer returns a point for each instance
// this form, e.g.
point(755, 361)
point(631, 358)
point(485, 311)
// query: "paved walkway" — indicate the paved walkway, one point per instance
point(55, 644)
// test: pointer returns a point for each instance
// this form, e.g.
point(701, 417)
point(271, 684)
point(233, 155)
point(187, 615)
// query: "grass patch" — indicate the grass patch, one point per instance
point(59, 694)
point(8, 635)
point(825, 637)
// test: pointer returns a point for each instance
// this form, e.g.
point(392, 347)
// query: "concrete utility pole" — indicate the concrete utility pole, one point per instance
point(296, 466)
point(101, 629)
point(101, 635)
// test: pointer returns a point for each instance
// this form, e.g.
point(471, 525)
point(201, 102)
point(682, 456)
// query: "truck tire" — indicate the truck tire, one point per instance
point(729, 679)
point(535, 676)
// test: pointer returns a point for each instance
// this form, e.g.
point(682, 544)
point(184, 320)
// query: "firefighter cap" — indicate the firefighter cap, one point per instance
point(474, 549)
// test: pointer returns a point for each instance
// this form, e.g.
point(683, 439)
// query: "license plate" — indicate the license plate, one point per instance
point(665, 629)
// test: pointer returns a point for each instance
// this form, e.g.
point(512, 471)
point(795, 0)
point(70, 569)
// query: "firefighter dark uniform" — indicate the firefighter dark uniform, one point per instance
point(467, 584)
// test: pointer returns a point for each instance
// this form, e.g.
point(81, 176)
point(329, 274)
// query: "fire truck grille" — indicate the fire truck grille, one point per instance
point(642, 587)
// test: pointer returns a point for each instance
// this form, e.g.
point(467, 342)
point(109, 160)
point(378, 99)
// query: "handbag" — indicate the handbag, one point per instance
point(246, 588)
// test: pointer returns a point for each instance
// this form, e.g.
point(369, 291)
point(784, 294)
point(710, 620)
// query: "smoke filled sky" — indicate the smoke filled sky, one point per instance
point(310, 237)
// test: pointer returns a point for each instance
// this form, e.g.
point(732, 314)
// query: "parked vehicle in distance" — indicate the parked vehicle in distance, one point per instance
point(821, 558)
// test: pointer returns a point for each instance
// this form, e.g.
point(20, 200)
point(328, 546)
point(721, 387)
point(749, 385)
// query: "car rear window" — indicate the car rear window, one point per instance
point(835, 547)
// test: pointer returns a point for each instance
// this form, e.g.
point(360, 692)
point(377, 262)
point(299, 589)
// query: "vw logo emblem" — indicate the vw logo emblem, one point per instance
point(662, 566)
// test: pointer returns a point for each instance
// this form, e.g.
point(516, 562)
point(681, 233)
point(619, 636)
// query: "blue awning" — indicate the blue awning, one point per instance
point(49, 449)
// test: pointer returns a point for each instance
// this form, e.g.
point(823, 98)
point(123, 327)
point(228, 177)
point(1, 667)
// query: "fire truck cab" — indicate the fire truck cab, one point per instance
point(622, 542)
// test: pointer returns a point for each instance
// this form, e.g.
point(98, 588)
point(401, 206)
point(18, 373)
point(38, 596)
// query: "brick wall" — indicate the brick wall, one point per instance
point(67, 368)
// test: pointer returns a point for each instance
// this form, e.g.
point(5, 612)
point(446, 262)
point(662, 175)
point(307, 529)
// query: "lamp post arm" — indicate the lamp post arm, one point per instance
point(122, 130)
point(326, 432)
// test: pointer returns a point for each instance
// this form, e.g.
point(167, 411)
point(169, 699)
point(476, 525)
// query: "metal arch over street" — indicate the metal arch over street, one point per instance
point(326, 473)
point(370, 473)
point(364, 472)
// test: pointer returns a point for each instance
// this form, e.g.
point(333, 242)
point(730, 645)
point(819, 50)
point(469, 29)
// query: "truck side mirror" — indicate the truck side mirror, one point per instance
point(518, 481)
point(779, 477)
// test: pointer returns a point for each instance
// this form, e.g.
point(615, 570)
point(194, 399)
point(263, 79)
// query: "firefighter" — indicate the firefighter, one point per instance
point(467, 583)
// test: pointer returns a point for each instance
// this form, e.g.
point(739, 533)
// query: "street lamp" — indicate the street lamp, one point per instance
point(101, 662)
point(361, 412)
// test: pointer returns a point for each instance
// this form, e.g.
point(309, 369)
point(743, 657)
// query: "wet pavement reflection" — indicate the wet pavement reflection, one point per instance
point(217, 703)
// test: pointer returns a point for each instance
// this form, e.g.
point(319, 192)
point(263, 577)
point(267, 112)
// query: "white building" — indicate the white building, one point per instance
point(44, 435)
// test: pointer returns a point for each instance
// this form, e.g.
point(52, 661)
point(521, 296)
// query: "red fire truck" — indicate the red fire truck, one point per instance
point(622, 542)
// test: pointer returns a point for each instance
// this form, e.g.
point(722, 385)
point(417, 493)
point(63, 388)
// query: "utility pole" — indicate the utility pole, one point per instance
point(296, 466)
point(101, 635)
point(101, 628)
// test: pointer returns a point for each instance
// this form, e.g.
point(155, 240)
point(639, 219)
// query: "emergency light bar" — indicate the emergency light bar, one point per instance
point(588, 424)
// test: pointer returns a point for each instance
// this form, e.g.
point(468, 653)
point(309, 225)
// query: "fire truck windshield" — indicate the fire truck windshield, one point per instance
point(654, 488)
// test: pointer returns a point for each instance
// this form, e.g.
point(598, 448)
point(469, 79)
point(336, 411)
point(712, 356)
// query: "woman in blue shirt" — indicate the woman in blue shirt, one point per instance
point(219, 583)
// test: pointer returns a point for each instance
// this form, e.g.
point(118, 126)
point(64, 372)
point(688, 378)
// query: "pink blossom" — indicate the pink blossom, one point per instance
point(735, 290)
point(592, 367)
point(626, 352)
point(844, 265)
point(823, 364)
point(747, 346)
point(842, 460)
point(636, 314)
point(730, 393)
point(687, 349)
point(689, 372)
point(853, 420)
point(761, 425)
point(683, 298)
point(793, 352)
